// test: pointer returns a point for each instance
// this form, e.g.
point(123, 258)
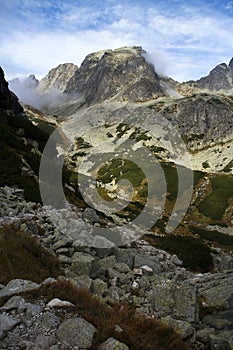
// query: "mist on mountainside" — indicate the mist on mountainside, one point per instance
point(28, 93)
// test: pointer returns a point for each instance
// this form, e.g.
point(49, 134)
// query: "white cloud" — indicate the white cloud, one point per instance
point(190, 42)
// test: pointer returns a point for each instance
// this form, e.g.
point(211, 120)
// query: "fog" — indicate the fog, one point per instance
point(159, 62)
point(28, 92)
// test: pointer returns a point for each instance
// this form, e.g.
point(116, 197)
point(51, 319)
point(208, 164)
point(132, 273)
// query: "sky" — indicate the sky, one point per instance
point(185, 39)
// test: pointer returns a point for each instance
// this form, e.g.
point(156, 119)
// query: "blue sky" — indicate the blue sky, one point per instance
point(185, 39)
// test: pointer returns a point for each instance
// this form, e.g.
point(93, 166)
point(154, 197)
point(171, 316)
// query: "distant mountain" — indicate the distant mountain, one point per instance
point(220, 79)
point(58, 77)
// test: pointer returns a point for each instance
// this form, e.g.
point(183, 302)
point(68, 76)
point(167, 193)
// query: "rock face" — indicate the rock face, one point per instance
point(58, 77)
point(220, 78)
point(8, 100)
point(123, 74)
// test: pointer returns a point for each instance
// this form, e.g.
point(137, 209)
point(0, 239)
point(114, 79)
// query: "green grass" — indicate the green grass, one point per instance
point(44, 126)
point(228, 167)
point(215, 204)
point(213, 236)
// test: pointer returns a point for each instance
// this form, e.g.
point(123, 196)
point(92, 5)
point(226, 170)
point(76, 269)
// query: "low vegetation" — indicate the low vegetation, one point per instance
point(194, 253)
point(138, 331)
point(213, 236)
point(15, 145)
point(216, 203)
point(22, 256)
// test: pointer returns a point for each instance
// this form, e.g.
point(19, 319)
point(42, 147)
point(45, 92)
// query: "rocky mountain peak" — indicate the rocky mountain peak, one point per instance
point(121, 74)
point(219, 79)
point(58, 77)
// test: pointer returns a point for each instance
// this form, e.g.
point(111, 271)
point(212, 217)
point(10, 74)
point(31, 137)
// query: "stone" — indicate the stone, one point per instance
point(217, 343)
point(122, 268)
point(33, 310)
point(76, 332)
point(183, 328)
point(202, 335)
point(43, 342)
point(63, 242)
point(176, 299)
point(99, 267)
point(175, 260)
point(7, 323)
point(90, 215)
point(14, 303)
point(56, 302)
point(18, 286)
point(64, 260)
point(220, 320)
point(99, 287)
point(147, 270)
point(126, 256)
point(81, 263)
point(103, 247)
point(138, 271)
point(113, 344)
point(114, 294)
point(216, 289)
point(83, 282)
point(50, 320)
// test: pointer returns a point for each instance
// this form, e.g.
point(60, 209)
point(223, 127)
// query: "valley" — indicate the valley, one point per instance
point(126, 178)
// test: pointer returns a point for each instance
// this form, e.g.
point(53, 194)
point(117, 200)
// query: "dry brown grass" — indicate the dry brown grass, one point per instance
point(21, 256)
point(139, 332)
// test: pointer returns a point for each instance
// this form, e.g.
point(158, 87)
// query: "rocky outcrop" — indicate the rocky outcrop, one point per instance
point(198, 306)
point(8, 100)
point(220, 79)
point(122, 74)
point(58, 77)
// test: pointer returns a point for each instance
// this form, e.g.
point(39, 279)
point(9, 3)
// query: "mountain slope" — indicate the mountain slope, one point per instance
point(21, 144)
point(220, 79)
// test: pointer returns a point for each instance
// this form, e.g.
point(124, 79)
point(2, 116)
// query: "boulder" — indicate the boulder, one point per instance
point(99, 287)
point(76, 332)
point(90, 215)
point(113, 344)
point(7, 323)
point(81, 263)
point(18, 286)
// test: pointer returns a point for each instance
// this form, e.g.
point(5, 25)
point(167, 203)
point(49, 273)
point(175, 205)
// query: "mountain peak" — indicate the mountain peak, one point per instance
point(121, 74)
point(58, 77)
